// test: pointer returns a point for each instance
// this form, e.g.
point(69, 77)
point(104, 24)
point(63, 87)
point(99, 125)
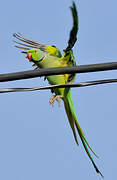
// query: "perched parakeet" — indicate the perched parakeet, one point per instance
point(45, 56)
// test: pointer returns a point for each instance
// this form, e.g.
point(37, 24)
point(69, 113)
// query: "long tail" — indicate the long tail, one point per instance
point(68, 103)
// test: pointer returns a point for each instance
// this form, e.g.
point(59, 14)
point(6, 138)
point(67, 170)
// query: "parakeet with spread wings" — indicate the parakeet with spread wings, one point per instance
point(46, 56)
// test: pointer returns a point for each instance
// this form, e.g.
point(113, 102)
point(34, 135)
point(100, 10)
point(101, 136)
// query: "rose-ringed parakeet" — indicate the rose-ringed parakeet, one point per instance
point(45, 56)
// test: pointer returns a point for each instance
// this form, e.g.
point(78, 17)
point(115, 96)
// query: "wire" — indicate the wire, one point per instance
point(56, 71)
point(81, 84)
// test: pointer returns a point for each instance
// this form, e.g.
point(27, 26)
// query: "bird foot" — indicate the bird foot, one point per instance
point(53, 98)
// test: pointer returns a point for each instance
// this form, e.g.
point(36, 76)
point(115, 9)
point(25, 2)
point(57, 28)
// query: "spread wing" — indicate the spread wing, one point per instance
point(74, 30)
point(26, 44)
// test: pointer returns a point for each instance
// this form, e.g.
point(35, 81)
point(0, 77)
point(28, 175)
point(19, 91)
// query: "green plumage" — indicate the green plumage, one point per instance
point(44, 56)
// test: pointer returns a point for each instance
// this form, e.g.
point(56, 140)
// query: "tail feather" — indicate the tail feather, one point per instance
point(82, 134)
point(87, 151)
point(68, 103)
point(71, 121)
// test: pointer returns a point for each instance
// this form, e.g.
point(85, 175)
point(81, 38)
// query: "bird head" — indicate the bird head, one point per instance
point(35, 55)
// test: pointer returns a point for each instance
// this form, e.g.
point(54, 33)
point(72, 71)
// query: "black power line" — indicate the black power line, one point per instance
point(56, 71)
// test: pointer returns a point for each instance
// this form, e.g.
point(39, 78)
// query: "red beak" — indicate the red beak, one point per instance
point(29, 56)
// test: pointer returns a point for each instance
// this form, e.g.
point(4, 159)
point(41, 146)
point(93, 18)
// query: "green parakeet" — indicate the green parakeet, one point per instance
point(44, 56)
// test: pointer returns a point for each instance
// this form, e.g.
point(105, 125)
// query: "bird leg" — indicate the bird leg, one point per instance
point(53, 98)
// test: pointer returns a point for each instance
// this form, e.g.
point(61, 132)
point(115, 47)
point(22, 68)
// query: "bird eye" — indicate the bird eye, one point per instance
point(29, 56)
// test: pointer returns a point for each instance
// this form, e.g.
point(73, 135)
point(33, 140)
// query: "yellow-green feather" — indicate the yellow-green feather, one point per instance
point(70, 111)
point(53, 51)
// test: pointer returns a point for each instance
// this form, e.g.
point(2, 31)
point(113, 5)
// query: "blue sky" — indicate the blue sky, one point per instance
point(36, 141)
